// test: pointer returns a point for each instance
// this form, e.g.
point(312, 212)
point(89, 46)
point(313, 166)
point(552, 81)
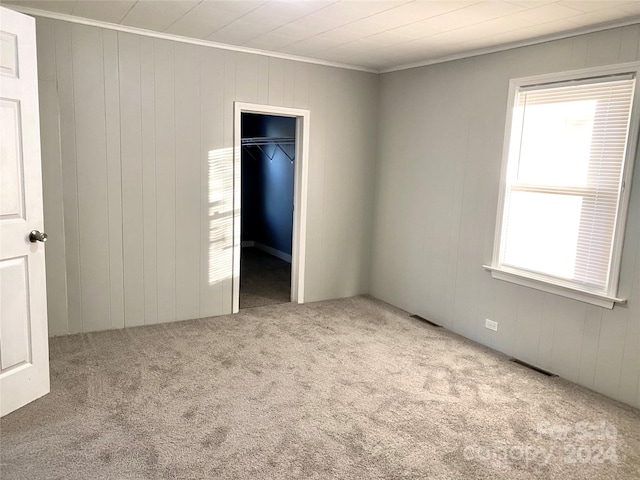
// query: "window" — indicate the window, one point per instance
point(569, 147)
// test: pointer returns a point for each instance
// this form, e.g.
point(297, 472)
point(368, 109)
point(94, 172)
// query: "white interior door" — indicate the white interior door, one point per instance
point(24, 350)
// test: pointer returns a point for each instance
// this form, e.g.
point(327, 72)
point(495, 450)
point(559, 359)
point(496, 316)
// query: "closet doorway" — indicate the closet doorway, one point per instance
point(269, 205)
point(266, 225)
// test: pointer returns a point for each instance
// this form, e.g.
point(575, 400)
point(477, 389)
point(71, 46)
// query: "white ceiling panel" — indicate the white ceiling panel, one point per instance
point(312, 45)
point(533, 3)
point(416, 11)
point(464, 17)
point(518, 35)
point(239, 32)
point(632, 8)
point(209, 16)
point(157, 15)
point(348, 12)
point(296, 31)
point(359, 28)
point(317, 22)
point(606, 15)
point(364, 33)
point(281, 13)
point(270, 41)
point(544, 14)
point(385, 39)
point(365, 8)
point(58, 6)
point(112, 11)
point(303, 49)
point(423, 28)
point(587, 6)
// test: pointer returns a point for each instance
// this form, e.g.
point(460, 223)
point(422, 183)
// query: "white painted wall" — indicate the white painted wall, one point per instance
point(137, 137)
point(439, 154)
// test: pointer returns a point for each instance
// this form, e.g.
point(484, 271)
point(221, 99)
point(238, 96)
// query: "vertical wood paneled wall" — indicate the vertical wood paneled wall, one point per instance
point(137, 138)
point(136, 141)
point(439, 157)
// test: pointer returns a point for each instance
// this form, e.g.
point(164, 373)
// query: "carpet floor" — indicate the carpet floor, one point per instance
point(344, 389)
point(264, 279)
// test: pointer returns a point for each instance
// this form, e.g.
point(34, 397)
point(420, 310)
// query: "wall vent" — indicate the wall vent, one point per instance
point(533, 367)
point(418, 317)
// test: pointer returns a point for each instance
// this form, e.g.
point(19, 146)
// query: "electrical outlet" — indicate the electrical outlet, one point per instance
point(491, 325)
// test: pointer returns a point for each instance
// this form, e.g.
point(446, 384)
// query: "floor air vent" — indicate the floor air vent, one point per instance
point(532, 367)
point(418, 317)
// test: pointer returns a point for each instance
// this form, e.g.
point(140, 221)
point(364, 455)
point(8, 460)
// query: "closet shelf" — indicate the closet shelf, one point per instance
point(256, 141)
point(278, 142)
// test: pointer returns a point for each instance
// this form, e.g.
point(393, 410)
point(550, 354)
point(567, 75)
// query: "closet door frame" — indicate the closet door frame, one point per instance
point(299, 239)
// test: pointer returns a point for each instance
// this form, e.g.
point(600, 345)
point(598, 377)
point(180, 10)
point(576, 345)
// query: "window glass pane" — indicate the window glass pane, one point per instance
point(542, 232)
point(556, 143)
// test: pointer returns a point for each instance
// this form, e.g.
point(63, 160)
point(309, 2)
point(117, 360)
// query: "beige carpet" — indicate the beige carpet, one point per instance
point(345, 389)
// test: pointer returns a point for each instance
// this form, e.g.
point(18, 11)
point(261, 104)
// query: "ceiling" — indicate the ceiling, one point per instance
point(378, 35)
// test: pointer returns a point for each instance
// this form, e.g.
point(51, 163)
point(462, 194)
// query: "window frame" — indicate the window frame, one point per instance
point(540, 281)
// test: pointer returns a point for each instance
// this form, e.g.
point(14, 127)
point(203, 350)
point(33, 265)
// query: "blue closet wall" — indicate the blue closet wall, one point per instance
point(267, 183)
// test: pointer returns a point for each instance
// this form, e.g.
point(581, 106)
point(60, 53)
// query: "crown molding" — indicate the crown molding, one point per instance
point(179, 38)
point(510, 46)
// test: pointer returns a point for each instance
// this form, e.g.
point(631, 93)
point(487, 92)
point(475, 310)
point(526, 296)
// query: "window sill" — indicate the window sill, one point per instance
point(600, 300)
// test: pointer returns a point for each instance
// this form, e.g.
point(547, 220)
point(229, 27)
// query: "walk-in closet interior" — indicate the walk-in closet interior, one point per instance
point(268, 166)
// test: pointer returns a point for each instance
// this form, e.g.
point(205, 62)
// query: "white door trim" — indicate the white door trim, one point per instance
point(300, 194)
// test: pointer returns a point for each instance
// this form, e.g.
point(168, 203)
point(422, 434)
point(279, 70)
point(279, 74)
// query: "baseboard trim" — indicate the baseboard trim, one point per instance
point(267, 249)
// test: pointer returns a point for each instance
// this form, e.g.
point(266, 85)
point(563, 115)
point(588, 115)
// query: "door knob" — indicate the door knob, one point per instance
point(36, 236)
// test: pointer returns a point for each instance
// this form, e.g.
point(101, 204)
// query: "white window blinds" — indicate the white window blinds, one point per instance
point(564, 180)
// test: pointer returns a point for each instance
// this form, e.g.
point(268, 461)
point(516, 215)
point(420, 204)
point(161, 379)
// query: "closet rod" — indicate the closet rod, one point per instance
point(263, 141)
point(255, 141)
